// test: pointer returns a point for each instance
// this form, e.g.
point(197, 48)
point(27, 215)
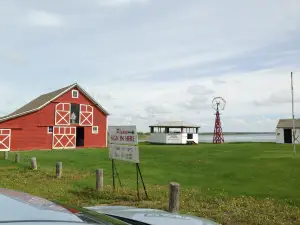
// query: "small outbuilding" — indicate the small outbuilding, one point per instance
point(284, 131)
point(174, 132)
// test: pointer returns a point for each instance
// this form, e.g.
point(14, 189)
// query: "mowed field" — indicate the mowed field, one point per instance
point(237, 183)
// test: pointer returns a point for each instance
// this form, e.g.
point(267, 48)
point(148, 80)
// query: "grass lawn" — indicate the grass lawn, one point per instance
point(237, 183)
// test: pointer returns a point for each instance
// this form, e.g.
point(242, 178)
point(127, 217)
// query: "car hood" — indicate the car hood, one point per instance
point(19, 206)
point(151, 216)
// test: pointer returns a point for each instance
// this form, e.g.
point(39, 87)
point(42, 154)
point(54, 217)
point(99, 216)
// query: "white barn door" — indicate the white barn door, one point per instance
point(5, 139)
point(64, 137)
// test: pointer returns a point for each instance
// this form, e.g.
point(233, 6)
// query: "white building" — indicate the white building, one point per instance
point(174, 132)
point(284, 131)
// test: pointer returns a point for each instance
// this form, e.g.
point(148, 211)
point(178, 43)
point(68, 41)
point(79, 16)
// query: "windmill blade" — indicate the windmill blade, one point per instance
point(218, 103)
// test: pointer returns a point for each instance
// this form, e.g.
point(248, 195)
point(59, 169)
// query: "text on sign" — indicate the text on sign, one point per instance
point(121, 138)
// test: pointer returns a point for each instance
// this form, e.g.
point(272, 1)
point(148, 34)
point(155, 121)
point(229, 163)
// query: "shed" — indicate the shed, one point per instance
point(62, 119)
point(174, 132)
point(284, 131)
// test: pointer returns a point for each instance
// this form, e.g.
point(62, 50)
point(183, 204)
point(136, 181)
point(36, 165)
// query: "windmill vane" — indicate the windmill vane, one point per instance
point(218, 103)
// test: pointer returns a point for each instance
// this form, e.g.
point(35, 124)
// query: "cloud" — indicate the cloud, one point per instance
point(218, 81)
point(197, 103)
point(277, 98)
point(102, 97)
point(41, 18)
point(145, 64)
point(240, 113)
point(156, 109)
point(199, 90)
point(15, 57)
point(200, 98)
point(115, 3)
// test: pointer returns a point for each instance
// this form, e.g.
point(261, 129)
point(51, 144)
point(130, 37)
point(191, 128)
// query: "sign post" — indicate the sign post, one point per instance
point(123, 145)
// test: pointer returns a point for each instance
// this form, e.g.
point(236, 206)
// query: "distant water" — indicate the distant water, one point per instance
point(241, 137)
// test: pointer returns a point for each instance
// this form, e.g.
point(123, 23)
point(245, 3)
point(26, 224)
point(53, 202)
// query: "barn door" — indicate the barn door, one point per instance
point(86, 115)
point(62, 114)
point(64, 137)
point(5, 137)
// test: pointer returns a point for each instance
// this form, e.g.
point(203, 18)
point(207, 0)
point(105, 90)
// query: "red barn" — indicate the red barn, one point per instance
point(65, 118)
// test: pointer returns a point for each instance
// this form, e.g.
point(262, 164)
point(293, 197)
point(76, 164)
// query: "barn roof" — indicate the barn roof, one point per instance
point(43, 100)
point(175, 124)
point(288, 123)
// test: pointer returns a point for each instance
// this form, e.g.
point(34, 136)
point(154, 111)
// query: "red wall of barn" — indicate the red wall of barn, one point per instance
point(25, 135)
point(29, 132)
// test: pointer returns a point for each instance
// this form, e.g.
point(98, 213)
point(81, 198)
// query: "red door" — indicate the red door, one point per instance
point(62, 114)
point(5, 139)
point(64, 137)
point(86, 115)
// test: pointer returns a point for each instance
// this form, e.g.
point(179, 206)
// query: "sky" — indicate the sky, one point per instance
point(148, 61)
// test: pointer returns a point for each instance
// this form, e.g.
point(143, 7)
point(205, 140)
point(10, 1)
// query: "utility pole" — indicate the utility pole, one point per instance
point(293, 115)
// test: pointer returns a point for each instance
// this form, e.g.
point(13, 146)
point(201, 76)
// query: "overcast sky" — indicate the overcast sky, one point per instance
point(148, 61)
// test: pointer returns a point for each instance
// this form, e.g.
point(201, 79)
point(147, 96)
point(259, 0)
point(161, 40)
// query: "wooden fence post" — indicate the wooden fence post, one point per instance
point(6, 155)
point(58, 169)
point(17, 157)
point(174, 197)
point(99, 179)
point(33, 163)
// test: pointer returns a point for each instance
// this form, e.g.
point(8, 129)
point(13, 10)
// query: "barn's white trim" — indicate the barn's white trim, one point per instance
point(72, 134)
point(97, 130)
point(19, 114)
point(9, 140)
point(90, 114)
point(57, 112)
point(77, 94)
point(106, 134)
point(48, 132)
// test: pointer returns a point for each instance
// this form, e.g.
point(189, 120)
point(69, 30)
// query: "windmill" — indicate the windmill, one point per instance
point(218, 103)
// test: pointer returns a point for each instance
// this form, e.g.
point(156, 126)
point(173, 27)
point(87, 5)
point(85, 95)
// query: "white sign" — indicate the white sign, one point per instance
point(122, 135)
point(173, 137)
point(128, 153)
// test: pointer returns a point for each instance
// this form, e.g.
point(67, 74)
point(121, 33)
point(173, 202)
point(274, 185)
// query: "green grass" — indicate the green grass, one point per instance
point(245, 183)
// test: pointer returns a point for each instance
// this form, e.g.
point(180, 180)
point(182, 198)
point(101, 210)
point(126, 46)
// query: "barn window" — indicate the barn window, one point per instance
point(74, 94)
point(95, 130)
point(49, 130)
point(74, 118)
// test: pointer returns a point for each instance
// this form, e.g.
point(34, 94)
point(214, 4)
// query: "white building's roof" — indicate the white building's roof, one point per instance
point(288, 123)
point(175, 124)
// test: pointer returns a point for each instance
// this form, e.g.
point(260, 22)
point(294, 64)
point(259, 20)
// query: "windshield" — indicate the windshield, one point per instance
point(88, 216)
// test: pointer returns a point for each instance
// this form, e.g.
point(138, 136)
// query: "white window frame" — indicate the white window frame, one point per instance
point(73, 91)
point(48, 132)
point(95, 132)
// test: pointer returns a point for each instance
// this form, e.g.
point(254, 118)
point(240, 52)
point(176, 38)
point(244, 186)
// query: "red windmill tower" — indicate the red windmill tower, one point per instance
point(218, 103)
